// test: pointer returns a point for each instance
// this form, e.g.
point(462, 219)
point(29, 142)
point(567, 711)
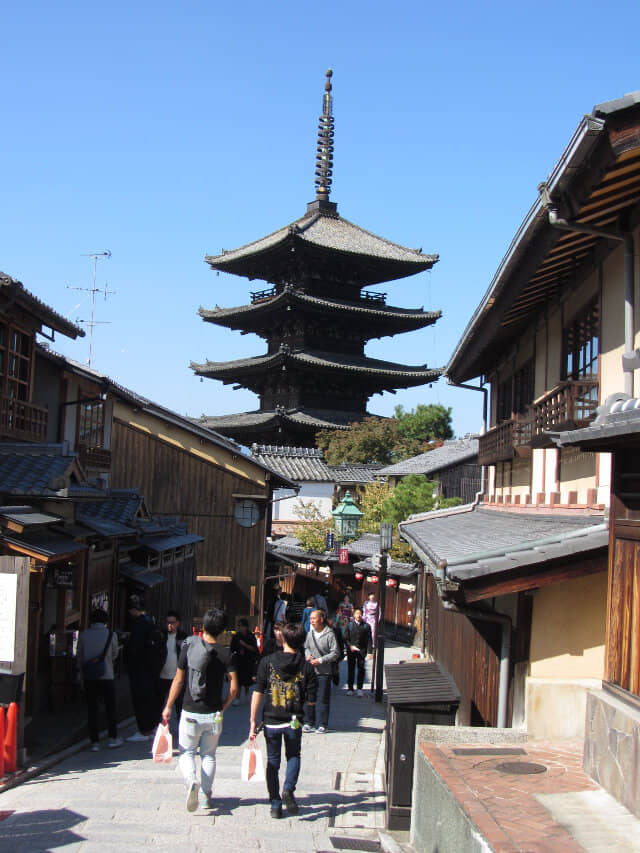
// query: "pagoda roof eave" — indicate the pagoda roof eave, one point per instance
point(372, 259)
point(230, 371)
point(247, 317)
point(310, 418)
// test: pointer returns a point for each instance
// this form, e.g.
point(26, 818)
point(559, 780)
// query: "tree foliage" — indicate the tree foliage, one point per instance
point(312, 535)
point(370, 500)
point(412, 495)
point(426, 423)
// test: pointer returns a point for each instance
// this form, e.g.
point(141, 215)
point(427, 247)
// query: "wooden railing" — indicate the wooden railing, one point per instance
point(96, 458)
point(21, 421)
point(260, 295)
point(570, 405)
point(501, 442)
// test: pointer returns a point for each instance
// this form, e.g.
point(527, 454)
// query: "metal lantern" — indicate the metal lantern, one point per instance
point(346, 518)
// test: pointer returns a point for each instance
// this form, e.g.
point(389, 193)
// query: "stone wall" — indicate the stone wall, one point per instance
point(612, 747)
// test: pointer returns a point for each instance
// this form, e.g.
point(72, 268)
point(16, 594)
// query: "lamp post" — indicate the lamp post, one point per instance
point(386, 540)
point(346, 518)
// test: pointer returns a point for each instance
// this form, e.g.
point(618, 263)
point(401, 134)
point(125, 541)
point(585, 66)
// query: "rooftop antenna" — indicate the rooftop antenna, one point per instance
point(91, 323)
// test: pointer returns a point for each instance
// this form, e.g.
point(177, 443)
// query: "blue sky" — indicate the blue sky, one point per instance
point(166, 131)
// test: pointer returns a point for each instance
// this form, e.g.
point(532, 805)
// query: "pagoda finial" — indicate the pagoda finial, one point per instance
point(324, 155)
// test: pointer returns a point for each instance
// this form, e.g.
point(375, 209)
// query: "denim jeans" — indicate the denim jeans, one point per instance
point(292, 743)
point(318, 714)
point(198, 731)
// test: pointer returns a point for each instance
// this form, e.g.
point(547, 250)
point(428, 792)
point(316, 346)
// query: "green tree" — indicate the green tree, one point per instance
point(412, 495)
point(370, 500)
point(370, 440)
point(426, 423)
point(312, 534)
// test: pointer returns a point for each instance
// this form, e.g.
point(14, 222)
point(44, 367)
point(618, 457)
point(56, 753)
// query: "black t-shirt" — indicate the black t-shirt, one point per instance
point(222, 661)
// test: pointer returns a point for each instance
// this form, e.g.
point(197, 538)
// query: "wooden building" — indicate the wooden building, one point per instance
point(316, 318)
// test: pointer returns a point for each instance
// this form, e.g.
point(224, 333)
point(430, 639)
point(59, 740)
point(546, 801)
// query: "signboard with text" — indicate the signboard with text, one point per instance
point(343, 556)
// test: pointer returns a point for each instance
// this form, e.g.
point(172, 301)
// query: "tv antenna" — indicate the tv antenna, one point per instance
point(93, 290)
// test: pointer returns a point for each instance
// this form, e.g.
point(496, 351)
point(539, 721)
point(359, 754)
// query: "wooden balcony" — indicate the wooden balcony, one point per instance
point(21, 421)
point(570, 405)
point(503, 442)
point(94, 458)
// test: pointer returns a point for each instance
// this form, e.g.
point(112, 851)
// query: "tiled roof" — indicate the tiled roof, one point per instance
point(300, 464)
point(115, 516)
point(394, 568)
point(41, 470)
point(18, 292)
point(350, 473)
point(325, 361)
point(449, 454)
point(290, 547)
point(618, 417)
point(476, 541)
point(328, 235)
point(314, 418)
point(44, 542)
point(372, 311)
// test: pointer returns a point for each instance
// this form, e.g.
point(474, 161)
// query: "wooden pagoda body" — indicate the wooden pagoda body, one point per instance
point(316, 317)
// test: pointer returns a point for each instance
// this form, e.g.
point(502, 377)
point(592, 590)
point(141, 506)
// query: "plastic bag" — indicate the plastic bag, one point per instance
point(162, 749)
point(252, 769)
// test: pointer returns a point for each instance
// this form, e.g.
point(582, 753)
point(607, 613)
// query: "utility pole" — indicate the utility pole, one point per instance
point(386, 539)
point(96, 256)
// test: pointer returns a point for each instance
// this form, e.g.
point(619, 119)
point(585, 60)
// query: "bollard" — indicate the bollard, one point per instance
point(1, 742)
point(11, 740)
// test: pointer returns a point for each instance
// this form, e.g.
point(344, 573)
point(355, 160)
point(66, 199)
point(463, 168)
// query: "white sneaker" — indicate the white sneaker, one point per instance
point(321, 730)
point(95, 747)
point(349, 692)
point(137, 737)
point(307, 729)
point(115, 742)
point(360, 693)
point(192, 797)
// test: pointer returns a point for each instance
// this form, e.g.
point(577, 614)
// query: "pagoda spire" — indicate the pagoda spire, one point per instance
point(324, 155)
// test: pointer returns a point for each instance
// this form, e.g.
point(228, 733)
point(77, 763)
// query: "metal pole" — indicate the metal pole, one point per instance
point(382, 600)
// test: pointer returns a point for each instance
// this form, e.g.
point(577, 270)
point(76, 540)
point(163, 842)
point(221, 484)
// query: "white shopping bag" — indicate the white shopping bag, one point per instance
point(252, 769)
point(162, 749)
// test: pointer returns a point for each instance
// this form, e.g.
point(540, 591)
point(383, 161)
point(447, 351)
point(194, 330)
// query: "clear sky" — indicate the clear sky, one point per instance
point(164, 131)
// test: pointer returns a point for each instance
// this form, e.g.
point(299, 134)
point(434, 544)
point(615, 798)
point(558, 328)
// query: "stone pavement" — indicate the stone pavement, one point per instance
point(119, 800)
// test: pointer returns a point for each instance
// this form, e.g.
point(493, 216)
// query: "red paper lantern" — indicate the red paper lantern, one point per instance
point(358, 576)
point(373, 579)
point(310, 567)
point(392, 582)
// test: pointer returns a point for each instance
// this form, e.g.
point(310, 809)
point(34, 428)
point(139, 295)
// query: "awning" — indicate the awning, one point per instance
point(394, 569)
point(17, 518)
point(420, 683)
point(167, 543)
point(44, 546)
point(140, 574)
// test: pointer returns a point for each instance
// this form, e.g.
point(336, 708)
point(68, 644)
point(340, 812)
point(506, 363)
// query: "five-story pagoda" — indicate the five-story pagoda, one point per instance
point(316, 318)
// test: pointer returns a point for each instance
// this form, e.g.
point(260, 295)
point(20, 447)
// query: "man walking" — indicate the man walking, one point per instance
point(144, 656)
point(96, 654)
point(321, 649)
point(288, 682)
point(358, 641)
point(203, 666)
point(174, 639)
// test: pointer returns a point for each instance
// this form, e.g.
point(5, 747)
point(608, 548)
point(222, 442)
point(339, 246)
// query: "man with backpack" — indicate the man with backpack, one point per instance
point(203, 667)
point(288, 683)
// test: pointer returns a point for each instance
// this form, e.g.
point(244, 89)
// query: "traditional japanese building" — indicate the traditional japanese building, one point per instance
point(316, 317)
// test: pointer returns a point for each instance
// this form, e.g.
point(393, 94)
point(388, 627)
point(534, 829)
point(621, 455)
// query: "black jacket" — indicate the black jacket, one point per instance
point(358, 635)
point(287, 682)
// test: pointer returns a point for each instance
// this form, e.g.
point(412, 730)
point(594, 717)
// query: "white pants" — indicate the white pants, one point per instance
point(198, 731)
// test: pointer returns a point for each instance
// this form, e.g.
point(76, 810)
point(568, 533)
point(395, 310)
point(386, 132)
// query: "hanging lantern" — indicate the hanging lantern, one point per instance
point(310, 567)
point(358, 576)
point(392, 582)
point(373, 579)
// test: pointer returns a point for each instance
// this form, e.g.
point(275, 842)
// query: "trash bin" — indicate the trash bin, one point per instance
point(417, 694)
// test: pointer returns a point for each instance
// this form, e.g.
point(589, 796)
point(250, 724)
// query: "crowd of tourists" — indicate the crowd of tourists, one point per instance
point(189, 682)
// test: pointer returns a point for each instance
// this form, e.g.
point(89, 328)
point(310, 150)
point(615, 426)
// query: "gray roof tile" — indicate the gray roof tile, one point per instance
point(449, 454)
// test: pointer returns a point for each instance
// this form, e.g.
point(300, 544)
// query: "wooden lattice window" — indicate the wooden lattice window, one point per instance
point(91, 423)
point(16, 353)
point(515, 393)
point(582, 344)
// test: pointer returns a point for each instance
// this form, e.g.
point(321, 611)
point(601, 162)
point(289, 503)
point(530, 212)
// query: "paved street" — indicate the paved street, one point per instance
point(117, 800)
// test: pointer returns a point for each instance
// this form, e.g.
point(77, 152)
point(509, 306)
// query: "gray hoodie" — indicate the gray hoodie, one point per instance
point(323, 646)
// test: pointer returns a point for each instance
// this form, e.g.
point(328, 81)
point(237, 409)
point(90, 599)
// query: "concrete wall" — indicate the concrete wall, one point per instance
point(566, 655)
point(612, 747)
point(438, 821)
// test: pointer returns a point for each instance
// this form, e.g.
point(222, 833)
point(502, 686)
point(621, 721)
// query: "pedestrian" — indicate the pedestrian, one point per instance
point(96, 654)
point(321, 650)
point(335, 666)
point(203, 667)
point(359, 644)
point(245, 647)
point(274, 644)
point(288, 683)
point(344, 613)
point(370, 615)
point(174, 639)
point(144, 655)
point(306, 613)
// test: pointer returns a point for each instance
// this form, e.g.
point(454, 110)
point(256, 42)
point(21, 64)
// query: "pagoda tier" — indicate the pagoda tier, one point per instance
point(283, 313)
point(316, 319)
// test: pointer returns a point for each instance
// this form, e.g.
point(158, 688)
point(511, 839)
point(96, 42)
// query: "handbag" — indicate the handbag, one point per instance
point(252, 767)
point(96, 667)
point(162, 749)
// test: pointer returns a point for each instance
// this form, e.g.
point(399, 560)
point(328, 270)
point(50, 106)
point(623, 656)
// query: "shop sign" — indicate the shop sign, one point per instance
point(343, 556)
point(65, 577)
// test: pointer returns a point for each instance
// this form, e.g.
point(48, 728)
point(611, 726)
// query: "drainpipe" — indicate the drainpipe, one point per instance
point(631, 356)
point(485, 391)
point(505, 652)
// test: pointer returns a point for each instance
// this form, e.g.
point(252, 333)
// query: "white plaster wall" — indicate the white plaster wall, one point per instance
point(320, 493)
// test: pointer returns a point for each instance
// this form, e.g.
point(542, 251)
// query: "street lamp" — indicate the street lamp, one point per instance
point(346, 518)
